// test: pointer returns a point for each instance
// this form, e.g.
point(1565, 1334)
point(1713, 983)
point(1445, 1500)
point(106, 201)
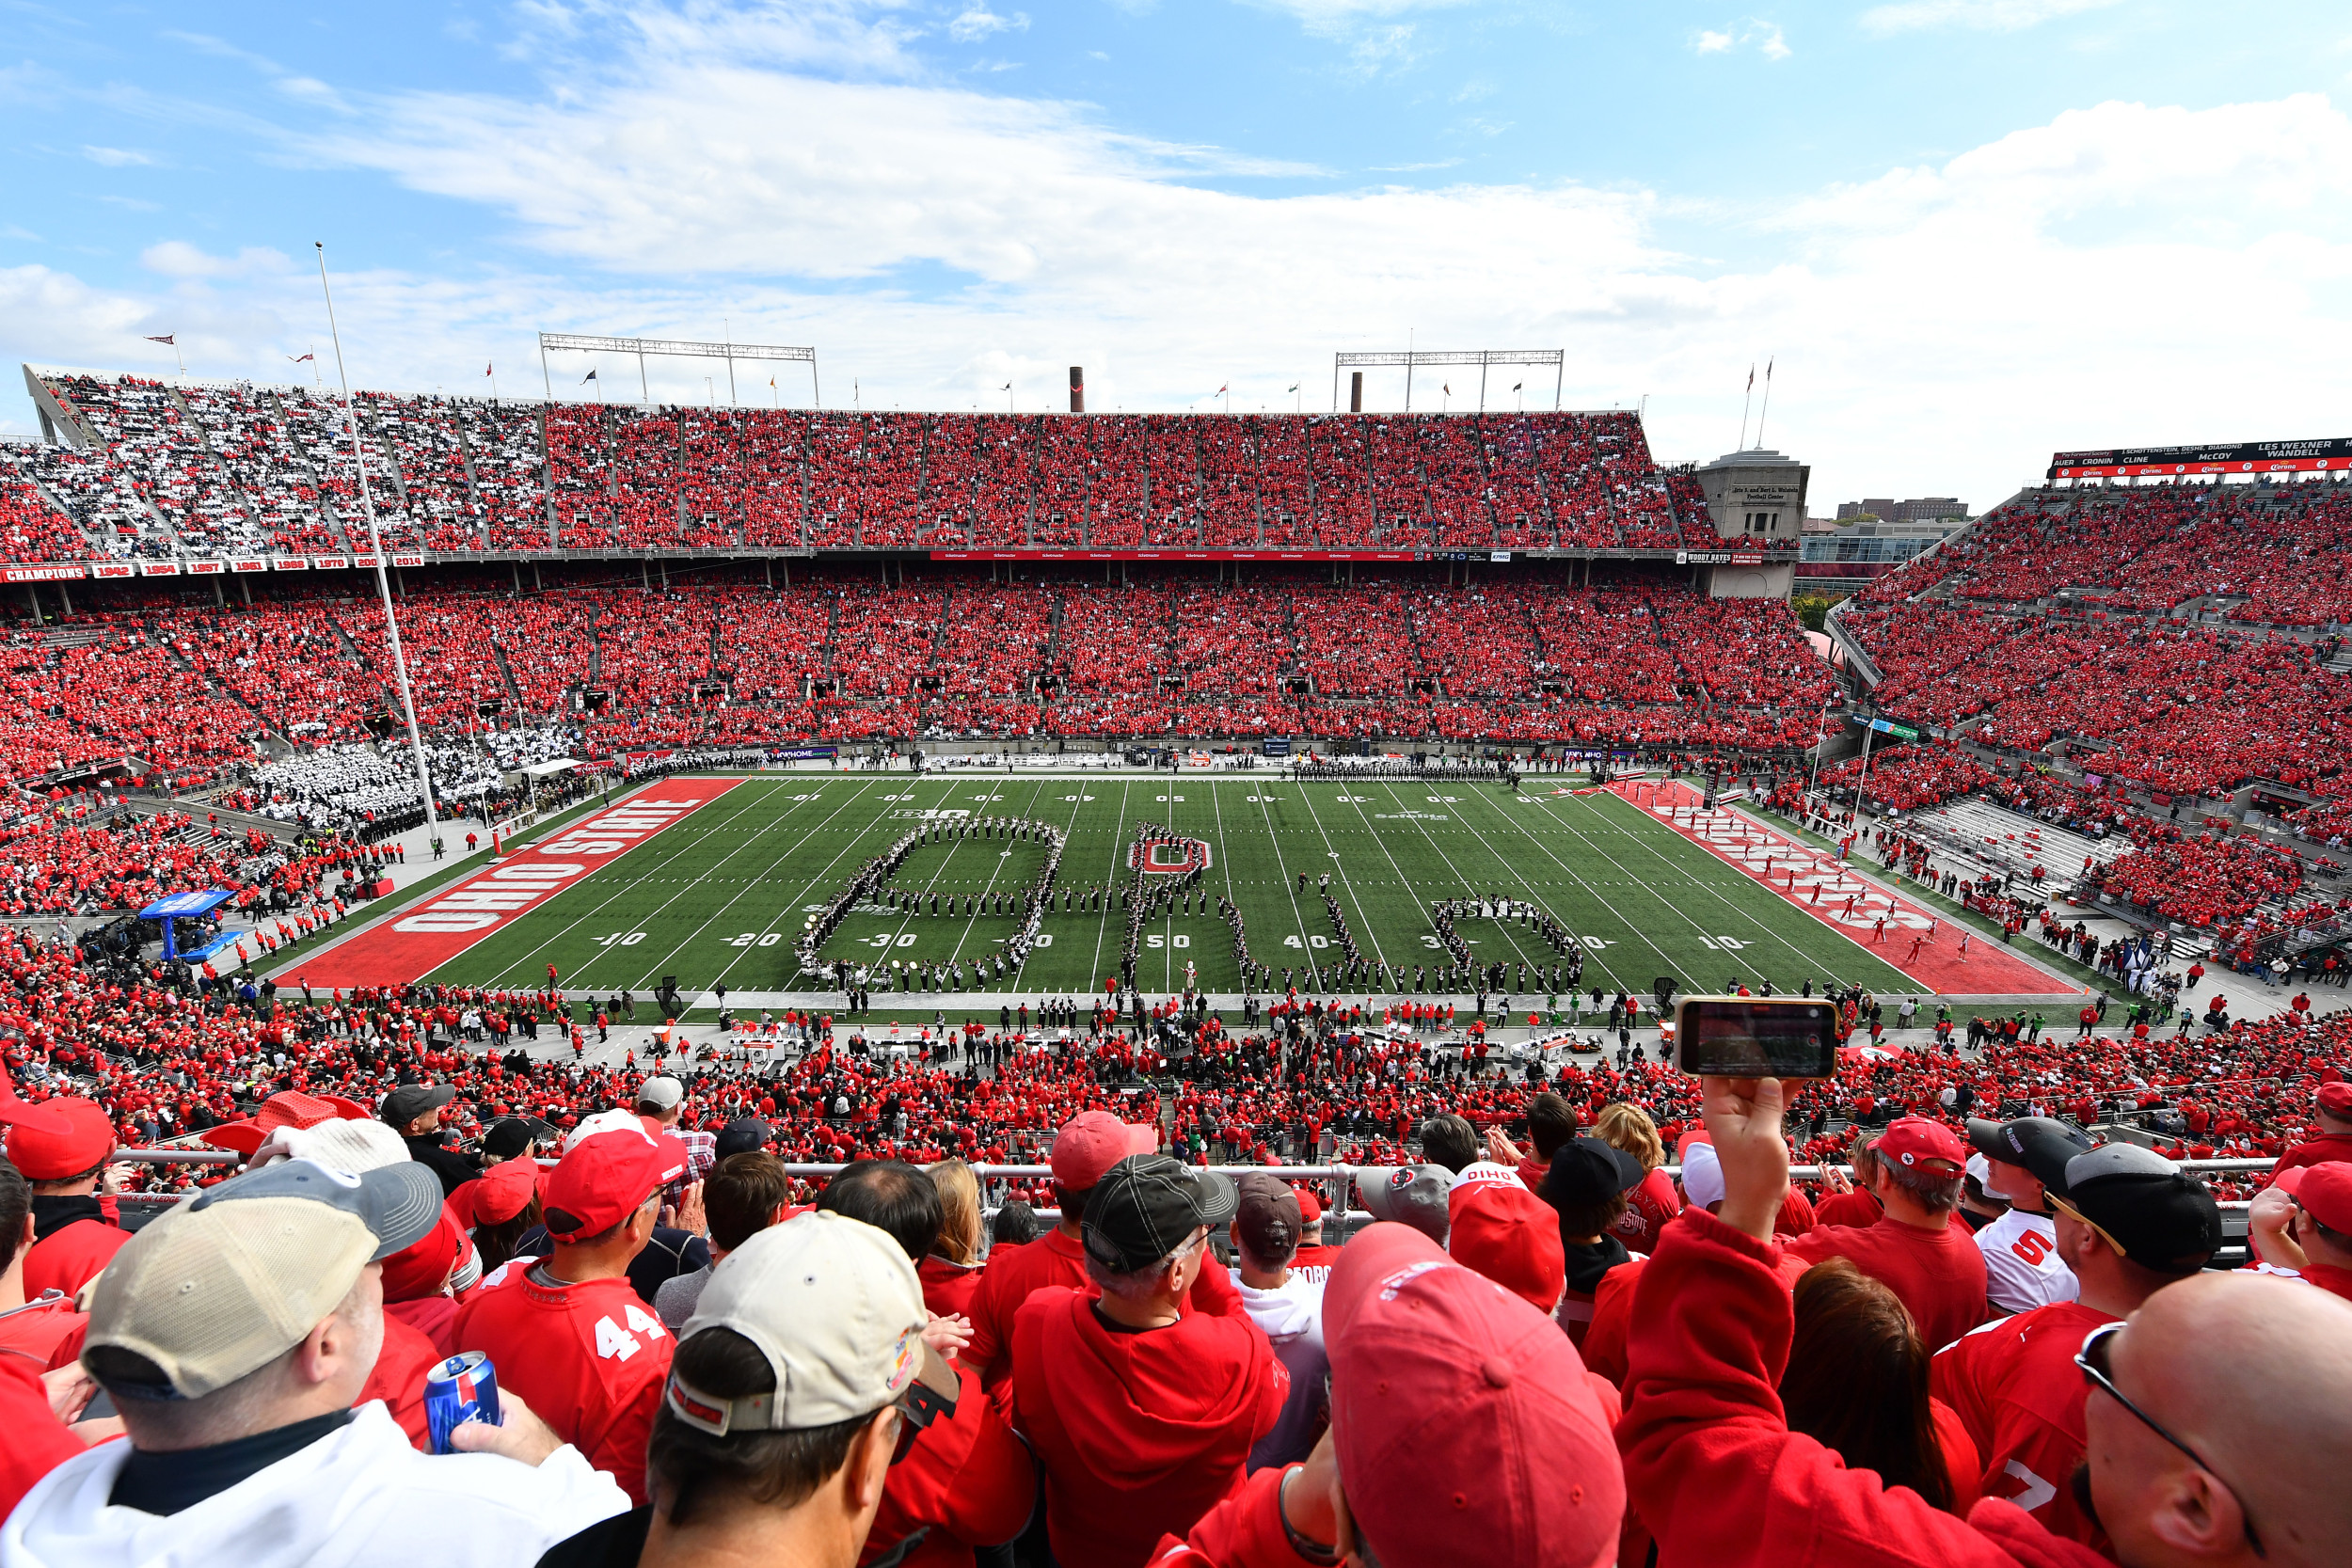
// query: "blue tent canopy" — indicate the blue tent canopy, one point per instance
point(180, 906)
point(203, 902)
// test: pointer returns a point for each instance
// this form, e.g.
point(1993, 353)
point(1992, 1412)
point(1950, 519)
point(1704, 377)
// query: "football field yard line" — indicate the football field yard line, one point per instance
point(1661, 899)
point(683, 944)
point(1702, 860)
point(1110, 882)
point(1601, 956)
point(782, 819)
point(1077, 803)
point(1005, 858)
point(859, 838)
point(711, 825)
point(1411, 814)
point(1347, 888)
point(1305, 947)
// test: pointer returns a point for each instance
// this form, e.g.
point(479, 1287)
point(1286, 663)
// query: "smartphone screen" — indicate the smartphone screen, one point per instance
point(1756, 1036)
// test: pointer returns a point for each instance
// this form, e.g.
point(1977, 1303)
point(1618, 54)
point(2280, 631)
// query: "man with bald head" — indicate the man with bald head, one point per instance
point(2218, 1421)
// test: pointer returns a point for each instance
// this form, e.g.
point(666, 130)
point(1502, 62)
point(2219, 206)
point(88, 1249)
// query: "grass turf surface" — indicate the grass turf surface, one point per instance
point(720, 895)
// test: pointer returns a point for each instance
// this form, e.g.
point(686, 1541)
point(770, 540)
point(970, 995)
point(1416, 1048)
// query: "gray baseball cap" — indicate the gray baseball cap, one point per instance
point(1418, 1195)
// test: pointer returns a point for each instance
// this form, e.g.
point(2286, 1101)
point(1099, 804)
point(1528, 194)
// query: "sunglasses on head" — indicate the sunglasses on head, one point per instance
point(2092, 1358)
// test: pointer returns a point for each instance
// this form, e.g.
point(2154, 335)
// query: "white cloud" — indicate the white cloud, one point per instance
point(114, 157)
point(1754, 32)
point(1942, 328)
point(1983, 16)
point(979, 22)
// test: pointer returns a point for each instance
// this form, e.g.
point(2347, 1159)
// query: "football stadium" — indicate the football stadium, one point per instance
point(738, 974)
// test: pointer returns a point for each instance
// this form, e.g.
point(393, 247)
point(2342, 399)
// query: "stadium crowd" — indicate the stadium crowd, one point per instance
point(697, 1354)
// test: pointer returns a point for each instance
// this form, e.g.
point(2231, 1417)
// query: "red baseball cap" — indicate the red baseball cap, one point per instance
point(418, 1269)
point(1092, 1143)
point(2336, 1097)
point(80, 1139)
point(1310, 1206)
point(1511, 1236)
point(1526, 1470)
point(603, 1177)
point(1909, 1140)
point(2325, 1194)
point(287, 1108)
point(496, 1194)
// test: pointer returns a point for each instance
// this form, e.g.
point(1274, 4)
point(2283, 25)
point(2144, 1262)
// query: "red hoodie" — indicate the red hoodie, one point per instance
point(1709, 1461)
point(1140, 1433)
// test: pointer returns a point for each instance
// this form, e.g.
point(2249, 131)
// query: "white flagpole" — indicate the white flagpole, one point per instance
point(375, 545)
point(1765, 412)
point(1746, 403)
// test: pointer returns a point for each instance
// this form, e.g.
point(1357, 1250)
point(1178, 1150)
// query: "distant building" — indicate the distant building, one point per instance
point(1926, 509)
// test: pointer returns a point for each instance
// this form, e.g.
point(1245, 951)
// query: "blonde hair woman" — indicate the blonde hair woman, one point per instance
point(1654, 1201)
point(951, 1274)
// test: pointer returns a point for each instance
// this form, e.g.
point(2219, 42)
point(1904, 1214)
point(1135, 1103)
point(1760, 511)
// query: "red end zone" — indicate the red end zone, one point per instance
point(428, 933)
point(1919, 942)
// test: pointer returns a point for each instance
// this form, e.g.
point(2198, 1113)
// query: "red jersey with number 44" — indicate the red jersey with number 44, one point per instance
point(2016, 1389)
point(589, 1358)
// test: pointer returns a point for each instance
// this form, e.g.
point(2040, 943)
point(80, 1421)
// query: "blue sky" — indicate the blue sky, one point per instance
point(1970, 232)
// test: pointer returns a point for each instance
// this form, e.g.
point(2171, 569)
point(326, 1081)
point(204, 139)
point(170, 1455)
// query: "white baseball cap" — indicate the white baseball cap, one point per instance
point(836, 1309)
point(1701, 1176)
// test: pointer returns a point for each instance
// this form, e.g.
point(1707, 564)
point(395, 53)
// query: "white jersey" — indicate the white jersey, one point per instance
point(2023, 1270)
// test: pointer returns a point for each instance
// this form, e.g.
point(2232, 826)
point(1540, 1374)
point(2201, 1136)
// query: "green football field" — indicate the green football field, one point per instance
point(721, 894)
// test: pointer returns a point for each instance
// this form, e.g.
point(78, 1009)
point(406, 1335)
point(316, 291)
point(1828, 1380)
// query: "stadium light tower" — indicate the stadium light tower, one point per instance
point(375, 547)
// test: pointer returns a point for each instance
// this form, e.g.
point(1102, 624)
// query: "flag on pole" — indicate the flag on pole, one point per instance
point(1751, 378)
point(164, 338)
point(489, 368)
point(1220, 391)
point(1292, 387)
point(1006, 387)
point(585, 379)
point(1447, 388)
point(297, 358)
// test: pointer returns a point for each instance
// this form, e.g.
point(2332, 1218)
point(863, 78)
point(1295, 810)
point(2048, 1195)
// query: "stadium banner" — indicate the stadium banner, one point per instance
point(2243, 457)
point(206, 568)
point(329, 562)
point(249, 563)
point(42, 574)
point(114, 569)
point(434, 929)
point(410, 558)
point(805, 753)
point(1180, 555)
point(366, 561)
point(159, 568)
point(290, 563)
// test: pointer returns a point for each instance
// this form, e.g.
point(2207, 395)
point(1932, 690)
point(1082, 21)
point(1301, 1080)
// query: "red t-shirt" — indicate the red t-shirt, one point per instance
point(37, 1441)
point(590, 1358)
point(71, 1257)
point(967, 1480)
point(1856, 1208)
point(398, 1378)
point(2314, 1151)
point(949, 1287)
point(2016, 1389)
point(1647, 1207)
point(1140, 1433)
point(1939, 1275)
point(31, 1332)
point(1053, 1259)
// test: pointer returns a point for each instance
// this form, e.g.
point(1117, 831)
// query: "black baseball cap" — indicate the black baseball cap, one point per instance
point(1589, 1171)
point(744, 1135)
point(407, 1102)
point(1146, 1205)
point(509, 1136)
point(2147, 1207)
point(2040, 1145)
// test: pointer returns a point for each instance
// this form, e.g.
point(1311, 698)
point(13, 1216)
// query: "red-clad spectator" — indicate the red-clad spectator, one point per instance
point(2332, 1109)
point(1929, 1262)
point(570, 1333)
point(1521, 1468)
point(2129, 1224)
point(76, 1234)
point(1085, 1148)
point(2323, 1226)
point(1142, 1412)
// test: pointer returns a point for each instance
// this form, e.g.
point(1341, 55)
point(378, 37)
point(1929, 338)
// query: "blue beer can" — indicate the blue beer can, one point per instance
point(460, 1389)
